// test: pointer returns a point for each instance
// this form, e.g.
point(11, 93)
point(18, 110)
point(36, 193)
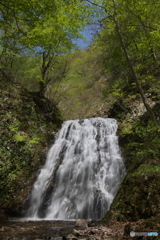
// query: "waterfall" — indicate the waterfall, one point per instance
point(82, 172)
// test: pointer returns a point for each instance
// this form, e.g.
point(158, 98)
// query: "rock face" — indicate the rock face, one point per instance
point(81, 223)
point(98, 233)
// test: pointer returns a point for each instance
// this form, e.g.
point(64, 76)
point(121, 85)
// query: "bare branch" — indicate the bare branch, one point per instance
point(151, 4)
point(6, 6)
point(94, 4)
point(140, 19)
point(132, 25)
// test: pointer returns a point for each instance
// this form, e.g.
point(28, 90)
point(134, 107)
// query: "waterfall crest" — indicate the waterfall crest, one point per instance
point(82, 172)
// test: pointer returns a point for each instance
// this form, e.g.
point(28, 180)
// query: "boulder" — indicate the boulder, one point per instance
point(71, 237)
point(81, 223)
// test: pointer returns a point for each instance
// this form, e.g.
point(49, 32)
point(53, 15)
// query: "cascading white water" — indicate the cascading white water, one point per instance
point(82, 172)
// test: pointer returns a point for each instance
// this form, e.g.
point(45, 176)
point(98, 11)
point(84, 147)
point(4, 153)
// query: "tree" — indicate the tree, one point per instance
point(136, 29)
point(131, 66)
point(45, 27)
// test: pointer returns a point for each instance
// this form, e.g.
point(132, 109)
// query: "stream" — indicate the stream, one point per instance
point(17, 229)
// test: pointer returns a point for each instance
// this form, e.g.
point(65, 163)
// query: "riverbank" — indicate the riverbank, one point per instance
point(14, 229)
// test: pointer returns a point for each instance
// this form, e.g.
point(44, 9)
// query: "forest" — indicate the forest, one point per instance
point(45, 79)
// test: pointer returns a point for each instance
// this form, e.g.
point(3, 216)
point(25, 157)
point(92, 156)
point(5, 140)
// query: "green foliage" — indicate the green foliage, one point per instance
point(79, 94)
point(130, 25)
point(14, 126)
point(40, 23)
point(34, 141)
point(30, 31)
point(115, 88)
point(19, 137)
point(24, 135)
point(148, 141)
point(146, 170)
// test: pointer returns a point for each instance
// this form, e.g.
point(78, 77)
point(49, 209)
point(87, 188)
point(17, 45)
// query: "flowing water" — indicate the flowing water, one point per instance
point(82, 172)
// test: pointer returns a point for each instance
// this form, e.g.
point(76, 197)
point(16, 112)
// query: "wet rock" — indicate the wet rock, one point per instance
point(127, 229)
point(81, 223)
point(71, 237)
point(92, 223)
point(94, 231)
point(2, 229)
point(24, 238)
point(57, 238)
point(77, 233)
point(85, 238)
point(97, 233)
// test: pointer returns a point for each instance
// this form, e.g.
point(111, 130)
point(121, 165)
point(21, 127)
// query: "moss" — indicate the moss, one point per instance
point(27, 123)
point(138, 197)
point(137, 200)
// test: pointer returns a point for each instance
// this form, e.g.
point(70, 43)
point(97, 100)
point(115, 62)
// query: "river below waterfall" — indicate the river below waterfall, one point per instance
point(16, 229)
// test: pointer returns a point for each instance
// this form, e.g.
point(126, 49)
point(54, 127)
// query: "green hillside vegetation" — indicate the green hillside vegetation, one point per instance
point(28, 122)
point(79, 94)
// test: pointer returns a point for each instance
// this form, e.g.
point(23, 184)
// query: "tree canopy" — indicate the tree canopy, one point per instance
point(41, 23)
point(44, 28)
point(130, 38)
point(130, 35)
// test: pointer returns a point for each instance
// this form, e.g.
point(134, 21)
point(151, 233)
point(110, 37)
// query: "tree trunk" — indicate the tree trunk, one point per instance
point(133, 72)
point(46, 62)
point(41, 88)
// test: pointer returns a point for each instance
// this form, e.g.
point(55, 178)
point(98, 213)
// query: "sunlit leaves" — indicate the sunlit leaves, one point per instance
point(42, 23)
point(139, 22)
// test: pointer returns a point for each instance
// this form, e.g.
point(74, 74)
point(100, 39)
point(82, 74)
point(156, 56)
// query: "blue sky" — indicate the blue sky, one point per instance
point(88, 34)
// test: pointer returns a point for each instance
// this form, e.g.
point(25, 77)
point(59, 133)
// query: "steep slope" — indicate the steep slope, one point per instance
point(79, 94)
point(27, 125)
point(137, 202)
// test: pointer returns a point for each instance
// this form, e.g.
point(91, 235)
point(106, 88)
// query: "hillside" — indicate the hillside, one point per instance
point(28, 122)
point(79, 93)
point(137, 201)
